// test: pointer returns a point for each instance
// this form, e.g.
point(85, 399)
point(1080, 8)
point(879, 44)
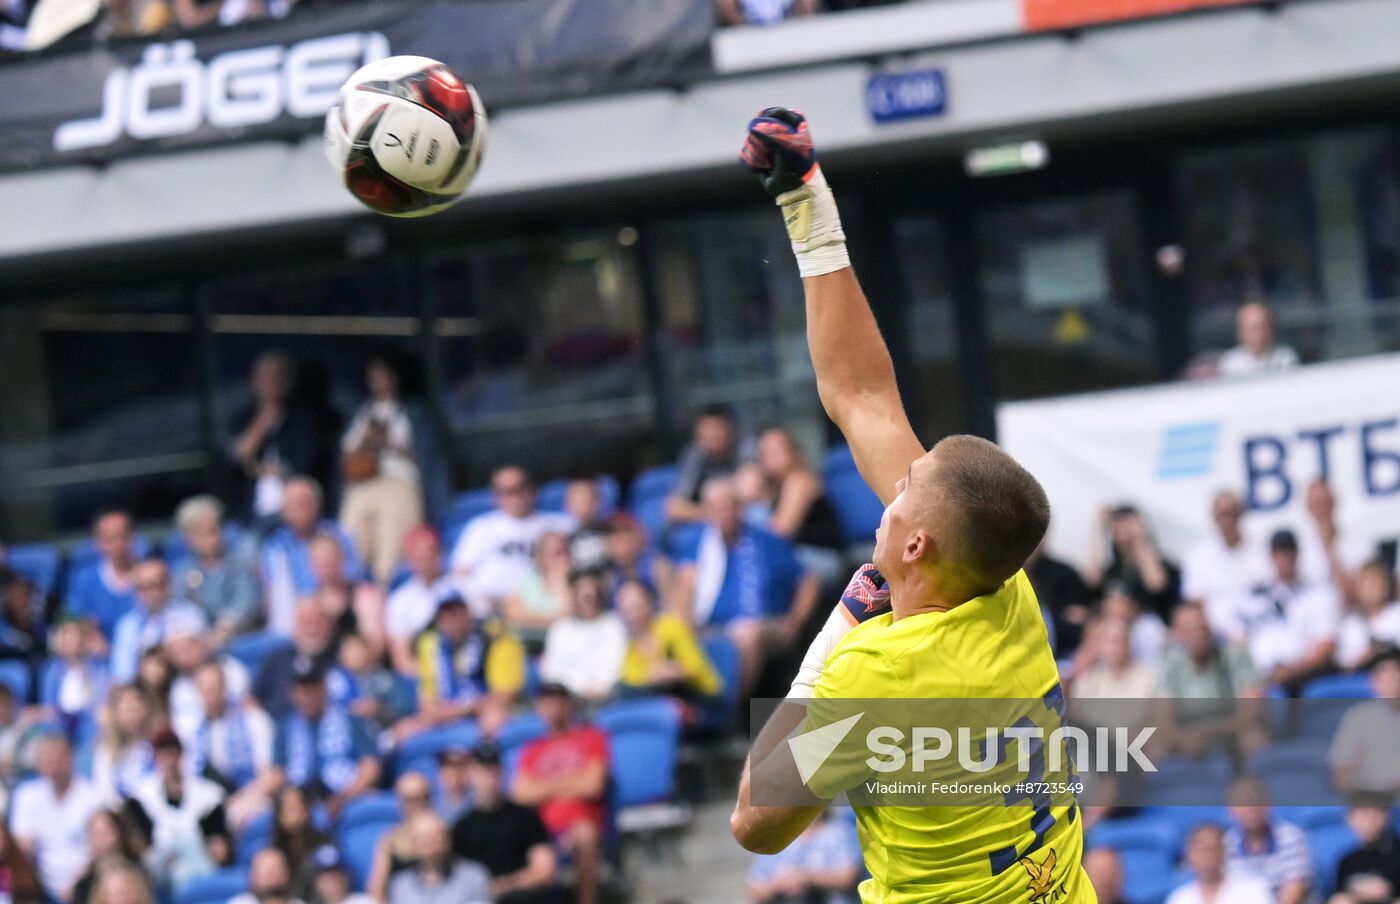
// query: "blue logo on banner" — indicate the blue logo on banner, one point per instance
point(1188, 450)
point(907, 95)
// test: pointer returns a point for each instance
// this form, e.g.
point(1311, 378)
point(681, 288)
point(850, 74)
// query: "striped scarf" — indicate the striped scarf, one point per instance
point(329, 758)
point(238, 767)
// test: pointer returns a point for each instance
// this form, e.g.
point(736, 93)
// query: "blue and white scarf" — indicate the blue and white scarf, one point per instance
point(132, 765)
point(238, 766)
point(333, 750)
point(460, 673)
point(747, 584)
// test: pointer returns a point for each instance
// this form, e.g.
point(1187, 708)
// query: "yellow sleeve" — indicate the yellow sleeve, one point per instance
point(505, 665)
point(853, 680)
point(426, 652)
point(685, 649)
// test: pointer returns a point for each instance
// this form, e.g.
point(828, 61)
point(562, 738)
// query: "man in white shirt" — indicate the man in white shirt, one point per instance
point(1256, 352)
point(410, 608)
point(497, 548)
point(49, 816)
point(1325, 553)
point(187, 648)
point(1205, 856)
point(1289, 624)
point(154, 617)
point(232, 745)
point(1224, 567)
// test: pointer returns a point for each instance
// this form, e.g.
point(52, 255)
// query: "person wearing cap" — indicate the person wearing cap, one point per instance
point(565, 776)
point(321, 747)
point(465, 668)
point(180, 816)
point(331, 882)
point(453, 795)
point(150, 620)
point(411, 606)
point(1289, 623)
point(506, 837)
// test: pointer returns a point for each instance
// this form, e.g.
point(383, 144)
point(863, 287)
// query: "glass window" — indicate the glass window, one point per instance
point(109, 413)
point(539, 353)
point(1066, 295)
point(931, 317)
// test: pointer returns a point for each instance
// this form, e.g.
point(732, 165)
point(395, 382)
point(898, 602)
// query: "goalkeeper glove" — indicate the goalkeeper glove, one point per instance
point(779, 148)
point(865, 597)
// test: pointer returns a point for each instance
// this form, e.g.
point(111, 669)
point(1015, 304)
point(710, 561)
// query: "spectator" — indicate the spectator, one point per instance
point(505, 837)
point(221, 582)
point(123, 757)
point(1112, 670)
point(565, 776)
point(1205, 858)
point(746, 581)
point(74, 682)
point(1223, 568)
point(713, 452)
point(188, 649)
point(1363, 750)
point(20, 731)
point(1373, 622)
point(1266, 848)
point(296, 837)
point(1289, 624)
point(411, 606)
point(1256, 352)
point(321, 748)
point(313, 641)
point(1210, 689)
point(104, 591)
point(1104, 868)
point(111, 847)
point(19, 883)
point(629, 550)
point(269, 879)
point(122, 885)
point(370, 690)
point(396, 850)
point(354, 605)
point(1134, 561)
point(663, 655)
point(1325, 554)
point(232, 746)
point(287, 570)
point(438, 877)
point(331, 884)
point(282, 432)
point(820, 867)
point(464, 669)
point(180, 817)
point(1147, 634)
point(763, 12)
point(588, 545)
point(156, 616)
point(542, 595)
point(495, 550)
point(23, 634)
point(133, 19)
point(49, 816)
point(1064, 598)
point(381, 455)
point(584, 650)
point(453, 795)
point(154, 677)
point(1370, 872)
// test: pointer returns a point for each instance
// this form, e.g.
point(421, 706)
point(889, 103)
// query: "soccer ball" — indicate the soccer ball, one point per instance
point(406, 134)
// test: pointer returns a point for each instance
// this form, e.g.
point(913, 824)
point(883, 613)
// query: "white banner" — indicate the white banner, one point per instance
point(1168, 449)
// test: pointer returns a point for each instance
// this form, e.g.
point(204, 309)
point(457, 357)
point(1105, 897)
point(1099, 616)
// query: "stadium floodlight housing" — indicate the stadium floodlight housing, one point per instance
point(1004, 159)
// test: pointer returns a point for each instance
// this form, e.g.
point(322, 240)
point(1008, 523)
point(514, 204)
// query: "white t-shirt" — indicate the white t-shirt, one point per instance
point(585, 655)
point(1357, 632)
point(58, 827)
point(1354, 551)
point(1234, 890)
point(1365, 744)
point(413, 604)
point(187, 710)
point(496, 550)
point(400, 433)
point(1219, 576)
point(1148, 638)
point(1282, 623)
point(1241, 362)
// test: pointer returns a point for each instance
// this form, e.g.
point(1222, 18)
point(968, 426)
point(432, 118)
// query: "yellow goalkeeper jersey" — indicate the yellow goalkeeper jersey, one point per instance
point(994, 646)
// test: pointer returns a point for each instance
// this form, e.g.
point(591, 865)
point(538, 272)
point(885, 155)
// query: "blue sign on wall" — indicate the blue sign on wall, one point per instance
point(907, 95)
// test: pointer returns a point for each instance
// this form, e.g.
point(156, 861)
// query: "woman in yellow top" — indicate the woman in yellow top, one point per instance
point(663, 655)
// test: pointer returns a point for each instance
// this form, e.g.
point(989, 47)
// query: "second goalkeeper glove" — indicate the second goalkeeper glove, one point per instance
point(865, 597)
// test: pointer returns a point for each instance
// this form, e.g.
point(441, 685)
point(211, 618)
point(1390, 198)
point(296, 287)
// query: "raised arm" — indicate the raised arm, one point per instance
point(855, 376)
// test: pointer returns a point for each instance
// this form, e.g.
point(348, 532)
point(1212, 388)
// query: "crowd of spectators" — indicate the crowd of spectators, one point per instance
point(35, 24)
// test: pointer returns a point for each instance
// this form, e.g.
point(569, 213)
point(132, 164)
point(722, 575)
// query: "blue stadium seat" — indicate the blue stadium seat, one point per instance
point(1180, 780)
point(725, 658)
point(652, 513)
point(378, 806)
point(357, 844)
point(643, 737)
point(255, 836)
point(466, 506)
point(1284, 756)
point(857, 507)
point(215, 888)
point(1152, 868)
point(1339, 687)
point(39, 562)
point(16, 676)
point(513, 737)
point(1138, 833)
point(252, 649)
point(551, 498)
point(85, 554)
point(653, 483)
point(1154, 887)
point(419, 753)
point(683, 541)
point(1328, 845)
point(1187, 818)
point(1312, 817)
